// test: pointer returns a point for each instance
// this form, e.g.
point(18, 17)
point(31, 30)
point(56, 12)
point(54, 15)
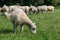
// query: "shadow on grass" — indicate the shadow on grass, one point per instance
point(6, 31)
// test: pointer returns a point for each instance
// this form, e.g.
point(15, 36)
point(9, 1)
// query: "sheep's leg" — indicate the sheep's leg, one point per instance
point(38, 11)
point(34, 12)
point(27, 12)
point(14, 28)
point(42, 11)
point(45, 11)
point(21, 27)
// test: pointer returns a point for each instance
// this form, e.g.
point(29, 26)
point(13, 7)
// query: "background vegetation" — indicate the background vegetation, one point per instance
point(30, 2)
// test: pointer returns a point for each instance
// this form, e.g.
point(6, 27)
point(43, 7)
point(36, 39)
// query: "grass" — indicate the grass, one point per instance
point(48, 27)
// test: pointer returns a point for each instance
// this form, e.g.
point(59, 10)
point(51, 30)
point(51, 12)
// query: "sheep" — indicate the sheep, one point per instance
point(27, 9)
point(24, 8)
point(42, 8)
point(39, 8)
point(33, 9)
point(5, 8)
point(50, 8)
point(12, 6)
point(18, 16)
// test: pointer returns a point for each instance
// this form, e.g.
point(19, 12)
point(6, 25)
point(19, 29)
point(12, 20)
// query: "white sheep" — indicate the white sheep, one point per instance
point(33, 9)
point(42, 8)
point(5, 8)
point(27, 9)
point(18, 16)
point(24, 8)
point(39, 8)
point(50, 8)
point(12, 6)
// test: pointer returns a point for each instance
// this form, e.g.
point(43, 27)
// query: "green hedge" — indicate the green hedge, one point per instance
point(29, 2)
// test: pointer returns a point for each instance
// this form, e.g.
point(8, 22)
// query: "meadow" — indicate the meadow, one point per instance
point(48, 27)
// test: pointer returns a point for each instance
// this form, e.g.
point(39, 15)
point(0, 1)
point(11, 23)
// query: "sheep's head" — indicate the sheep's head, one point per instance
point(5, 8)
point(11, 8)
point(33, 28)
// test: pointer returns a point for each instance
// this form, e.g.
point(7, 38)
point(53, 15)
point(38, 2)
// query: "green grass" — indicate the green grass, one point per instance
point(48, 27)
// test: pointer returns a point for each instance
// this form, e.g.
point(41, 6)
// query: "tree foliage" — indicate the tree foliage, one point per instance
point(54, 2)
point(29, 2)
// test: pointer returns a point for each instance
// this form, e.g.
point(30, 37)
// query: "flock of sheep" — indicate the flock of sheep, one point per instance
point(18, 15)
point(30, 9)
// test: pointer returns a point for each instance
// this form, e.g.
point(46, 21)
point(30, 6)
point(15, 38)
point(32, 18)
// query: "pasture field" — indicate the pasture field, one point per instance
point(48, 27)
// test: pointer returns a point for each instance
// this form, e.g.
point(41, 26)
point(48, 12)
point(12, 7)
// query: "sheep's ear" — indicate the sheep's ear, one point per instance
point(5, 6)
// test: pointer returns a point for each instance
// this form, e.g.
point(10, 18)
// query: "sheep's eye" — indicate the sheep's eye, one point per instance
point(33, 28)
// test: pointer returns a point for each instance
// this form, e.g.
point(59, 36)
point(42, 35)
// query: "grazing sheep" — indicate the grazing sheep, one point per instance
point(21, 7)
point(27, 9)
point(18, 16)
point(42, 8)
point(24, 8)
point(33, 9)
point(5, 8)
point(12, 6)
point(50, 8)
point(39, 8)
